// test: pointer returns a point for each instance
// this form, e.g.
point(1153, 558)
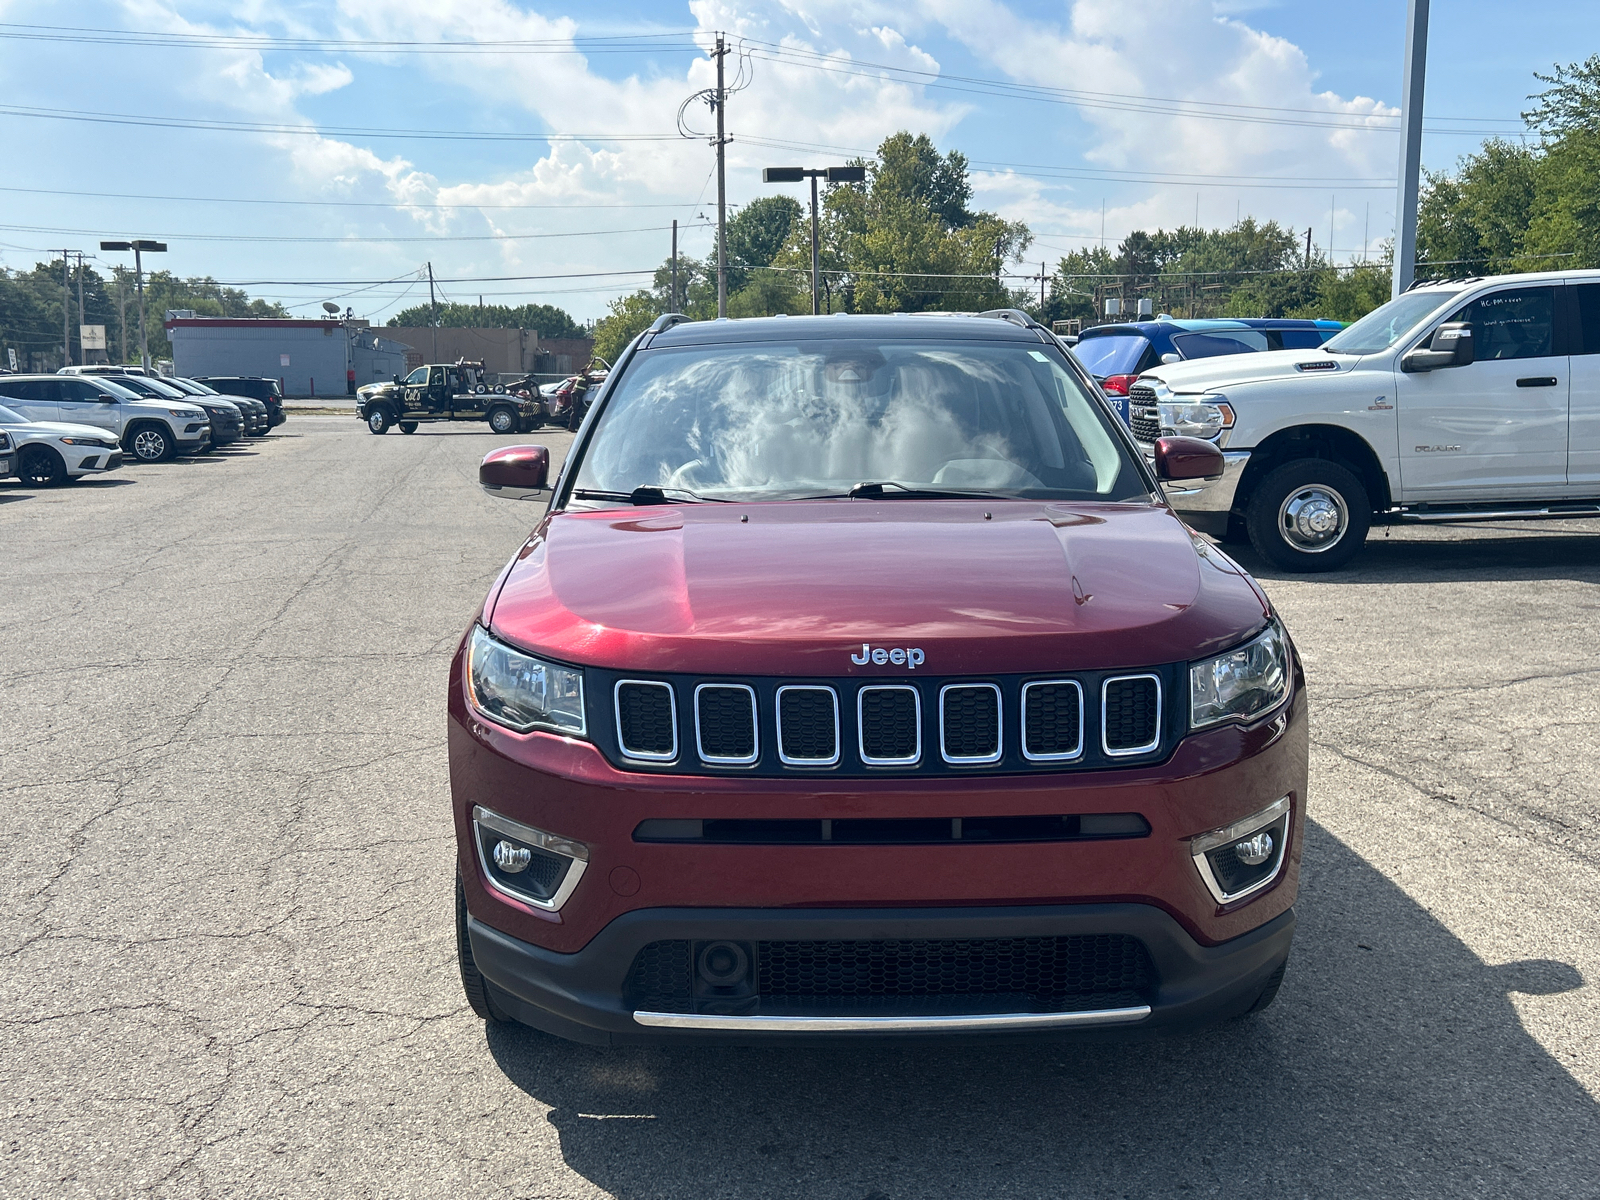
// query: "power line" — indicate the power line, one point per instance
point(387, 204)
point(273, 238)
point(639, 43)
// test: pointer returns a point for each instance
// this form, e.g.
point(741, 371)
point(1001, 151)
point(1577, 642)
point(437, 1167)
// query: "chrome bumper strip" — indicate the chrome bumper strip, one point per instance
point(932, 1024)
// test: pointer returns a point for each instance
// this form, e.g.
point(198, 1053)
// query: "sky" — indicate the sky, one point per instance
point(532, 150)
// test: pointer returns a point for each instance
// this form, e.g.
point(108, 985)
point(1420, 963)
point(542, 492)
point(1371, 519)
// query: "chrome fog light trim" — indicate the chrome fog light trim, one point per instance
point(1252, 829)
point(486, 818)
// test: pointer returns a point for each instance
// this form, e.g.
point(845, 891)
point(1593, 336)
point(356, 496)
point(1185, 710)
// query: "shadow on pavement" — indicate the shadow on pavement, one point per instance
point(1530, 553)
point(1392, 1064)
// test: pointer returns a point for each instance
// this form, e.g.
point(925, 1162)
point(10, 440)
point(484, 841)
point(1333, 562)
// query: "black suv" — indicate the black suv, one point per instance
point(256, 421)
point(268, 391)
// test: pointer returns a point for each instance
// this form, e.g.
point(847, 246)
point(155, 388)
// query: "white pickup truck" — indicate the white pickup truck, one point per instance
point(1461, 400)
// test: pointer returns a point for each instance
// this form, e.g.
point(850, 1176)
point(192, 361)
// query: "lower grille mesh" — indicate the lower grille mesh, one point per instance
point(1046, 972)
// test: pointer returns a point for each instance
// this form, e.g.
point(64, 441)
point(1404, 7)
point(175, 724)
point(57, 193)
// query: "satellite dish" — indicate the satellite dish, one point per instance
point(328, 306)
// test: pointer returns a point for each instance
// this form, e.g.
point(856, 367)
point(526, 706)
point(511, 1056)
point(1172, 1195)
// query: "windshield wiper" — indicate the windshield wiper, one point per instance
point(875, 491)
point(648, 493)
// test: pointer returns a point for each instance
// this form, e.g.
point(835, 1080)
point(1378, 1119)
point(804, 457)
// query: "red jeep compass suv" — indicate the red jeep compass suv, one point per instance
point(859, 680)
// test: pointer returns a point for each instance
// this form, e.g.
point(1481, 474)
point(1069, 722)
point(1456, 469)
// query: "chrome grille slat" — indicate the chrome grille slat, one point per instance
point(970, 723)
point(1130, 714)
point(889, 728)
point(1052, 720)
point(727, 713)
point(645, 731)
point(808, 725)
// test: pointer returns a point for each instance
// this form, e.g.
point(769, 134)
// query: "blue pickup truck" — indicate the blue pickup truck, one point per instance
point(1116, 354)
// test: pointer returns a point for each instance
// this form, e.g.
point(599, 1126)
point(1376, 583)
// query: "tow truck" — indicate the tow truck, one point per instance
point(457, 391)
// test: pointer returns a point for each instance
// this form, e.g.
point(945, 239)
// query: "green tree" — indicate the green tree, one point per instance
point(545, 319)
point(1571, 103)
point(756, 234)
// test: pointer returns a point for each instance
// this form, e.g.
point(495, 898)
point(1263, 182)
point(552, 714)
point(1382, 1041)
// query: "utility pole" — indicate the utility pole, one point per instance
point(672, 303)
point(1042, 278)
point(66, 311)
point(1308, 247)
point(1405, 217)
point(433, 318)
point(722, 184)
point(83, 317)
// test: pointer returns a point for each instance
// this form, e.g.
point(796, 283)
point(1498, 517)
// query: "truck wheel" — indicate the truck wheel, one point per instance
point(503, 420)
point(408, 426)
point(378, 420)
point(480, 992)
point(1309, 515)
point(40, 466)
point(151, 444)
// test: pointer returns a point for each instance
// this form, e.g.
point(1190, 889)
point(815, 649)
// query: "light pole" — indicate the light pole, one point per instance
point(832, 175)
point(1405, 217)
point(139, 246)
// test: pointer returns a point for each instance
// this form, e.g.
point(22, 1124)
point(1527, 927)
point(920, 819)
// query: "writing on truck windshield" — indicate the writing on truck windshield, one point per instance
point(773, 421)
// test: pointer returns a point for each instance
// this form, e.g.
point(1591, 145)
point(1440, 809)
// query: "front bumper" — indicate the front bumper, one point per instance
point(93, 464)
point(8, 465)
point(582, 996)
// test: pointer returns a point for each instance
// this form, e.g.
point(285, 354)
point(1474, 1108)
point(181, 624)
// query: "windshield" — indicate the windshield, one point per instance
point(1219, 342)
point(1384, 326)
point(774, 421)
point(120, 391)
point(10, 416)
point(1114, 354)
point(151, 387)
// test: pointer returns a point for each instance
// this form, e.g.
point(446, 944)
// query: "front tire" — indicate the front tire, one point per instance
point(1309, 515)
point(378, 420)
point(152, 444)
point(480, 992)
point(40, 466)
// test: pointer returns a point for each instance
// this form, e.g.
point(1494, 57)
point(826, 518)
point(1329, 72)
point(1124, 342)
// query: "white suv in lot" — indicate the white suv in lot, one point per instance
point(1461, 400)
point(150, 430)
point(50, 453)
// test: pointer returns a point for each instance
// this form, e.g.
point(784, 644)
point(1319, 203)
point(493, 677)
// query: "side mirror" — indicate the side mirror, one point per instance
point(515, 472)
point(1168, 359)
point(1187, 458)
point(1450, 346)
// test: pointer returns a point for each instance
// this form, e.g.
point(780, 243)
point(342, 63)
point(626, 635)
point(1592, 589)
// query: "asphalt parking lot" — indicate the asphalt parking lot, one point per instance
point(228, 940)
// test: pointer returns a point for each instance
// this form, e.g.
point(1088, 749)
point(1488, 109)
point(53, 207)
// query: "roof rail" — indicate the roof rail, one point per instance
point(667, 321)
point(1015, 315)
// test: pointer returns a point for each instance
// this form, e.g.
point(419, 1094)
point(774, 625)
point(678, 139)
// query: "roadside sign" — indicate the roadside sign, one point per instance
point(92, 337)
point(283, 360)
point(13, 356)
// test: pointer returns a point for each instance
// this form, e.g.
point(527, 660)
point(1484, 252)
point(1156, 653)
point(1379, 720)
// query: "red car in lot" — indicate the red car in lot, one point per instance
point(858, 680)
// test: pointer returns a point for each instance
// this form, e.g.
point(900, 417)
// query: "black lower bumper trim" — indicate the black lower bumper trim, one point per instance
point(581, 996)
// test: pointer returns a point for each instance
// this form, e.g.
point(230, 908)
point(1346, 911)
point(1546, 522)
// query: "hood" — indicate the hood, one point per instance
point(57, 429)
point(800, 586)
point(1204, 374)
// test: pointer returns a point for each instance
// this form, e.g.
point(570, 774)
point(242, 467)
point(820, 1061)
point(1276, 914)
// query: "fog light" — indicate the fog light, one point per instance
point(512, 858)
point(1243, 858)
point(1252, 852)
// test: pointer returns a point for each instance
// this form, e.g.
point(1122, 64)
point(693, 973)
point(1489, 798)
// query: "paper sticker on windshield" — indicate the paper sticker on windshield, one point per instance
point(1037, 357)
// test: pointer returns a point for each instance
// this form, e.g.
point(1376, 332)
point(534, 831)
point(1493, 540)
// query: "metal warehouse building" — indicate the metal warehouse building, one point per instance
point(309, 357)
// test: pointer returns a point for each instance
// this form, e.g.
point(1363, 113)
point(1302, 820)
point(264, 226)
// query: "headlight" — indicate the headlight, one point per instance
point(83, 441)
point(1201, 419)
point(1242, 683)
point(186, 414)
point(522, 692)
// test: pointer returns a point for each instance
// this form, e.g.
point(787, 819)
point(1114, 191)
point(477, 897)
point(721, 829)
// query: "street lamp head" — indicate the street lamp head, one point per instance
point(783, 175)
point(150, 247)
point(847, 174)
point(116, 245)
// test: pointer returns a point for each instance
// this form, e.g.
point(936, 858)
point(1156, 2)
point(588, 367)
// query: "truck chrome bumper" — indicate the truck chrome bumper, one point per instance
point(1209, 496)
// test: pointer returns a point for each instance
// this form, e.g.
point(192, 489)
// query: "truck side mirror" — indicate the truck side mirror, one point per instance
point(515, 472)
point(1450, 346)
point(1187, 458)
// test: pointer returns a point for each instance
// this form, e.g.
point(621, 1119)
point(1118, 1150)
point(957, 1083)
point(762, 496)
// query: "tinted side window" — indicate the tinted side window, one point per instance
point(41, 391)
point(77, 389)
point(1517, 323)
point(1588, 318)
point(1302, 339)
